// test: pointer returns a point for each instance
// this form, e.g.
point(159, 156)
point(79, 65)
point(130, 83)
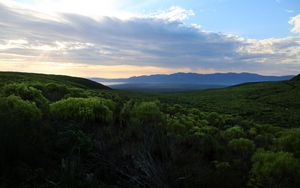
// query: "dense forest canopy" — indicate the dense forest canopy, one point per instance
point(58, 131)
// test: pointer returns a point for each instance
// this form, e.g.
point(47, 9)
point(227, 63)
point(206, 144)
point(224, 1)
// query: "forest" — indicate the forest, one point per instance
point(59, 131)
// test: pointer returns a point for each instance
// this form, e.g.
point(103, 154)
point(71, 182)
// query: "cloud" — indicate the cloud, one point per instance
point(106, 71)
point(92, 8)
point(160, 41)
point(174, 13)
point(295, 21)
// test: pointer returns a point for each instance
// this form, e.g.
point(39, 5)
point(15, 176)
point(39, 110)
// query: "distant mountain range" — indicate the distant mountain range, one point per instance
point(186, 81)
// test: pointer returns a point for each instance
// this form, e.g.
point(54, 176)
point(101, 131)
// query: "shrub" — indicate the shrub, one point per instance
point(274, 169)
point(242, 147)
point(147, 112)
point(290, 141)
point(55, 92)
point(18, 136)
point(14, 110)
point(215, 119)
point(28, 93)
point(234, 132)
point(83, 110)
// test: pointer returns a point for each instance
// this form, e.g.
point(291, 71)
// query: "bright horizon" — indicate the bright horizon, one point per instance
point(120, 39)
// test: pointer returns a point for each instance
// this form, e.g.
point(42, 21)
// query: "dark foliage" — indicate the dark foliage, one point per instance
point(57, 134)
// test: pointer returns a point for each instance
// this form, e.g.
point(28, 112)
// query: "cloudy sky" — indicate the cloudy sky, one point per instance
point(122, 38)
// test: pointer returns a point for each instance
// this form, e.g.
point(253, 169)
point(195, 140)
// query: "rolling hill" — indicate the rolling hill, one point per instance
point(266, 102)
point(10, 77)
point(53, 136)
point(296, 78)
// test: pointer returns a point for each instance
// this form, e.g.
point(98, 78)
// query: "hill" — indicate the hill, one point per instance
point(12, 77)
point(267, 102)
point(296, 78)
point(58, 135)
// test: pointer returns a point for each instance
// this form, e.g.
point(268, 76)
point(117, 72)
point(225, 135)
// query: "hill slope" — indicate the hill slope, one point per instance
point(9, 77)
point(297, 78)
point(267, 102)
point(97, 138)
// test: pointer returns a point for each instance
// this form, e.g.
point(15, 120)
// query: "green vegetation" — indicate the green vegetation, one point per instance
point(58, 131)
point(17, 77)
point(267, 102)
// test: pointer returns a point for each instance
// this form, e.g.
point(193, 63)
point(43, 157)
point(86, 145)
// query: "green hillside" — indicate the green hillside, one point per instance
point(296, 78)
point(66, 132)
point(17, 77)
point(268, 102)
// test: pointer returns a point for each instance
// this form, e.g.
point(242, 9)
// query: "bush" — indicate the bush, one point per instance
point(55, 92)
point(90, 110)
point(14, 110)
point(242, 147)
point(18, 136)
point(234, 132)
point(138, 116)
point(215, 119)
point(147, 112)
point(28, 93)
point(275, 169)
point(290, 141)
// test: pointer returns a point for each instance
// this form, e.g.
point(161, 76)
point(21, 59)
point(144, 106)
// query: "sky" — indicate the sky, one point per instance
point(123, 38)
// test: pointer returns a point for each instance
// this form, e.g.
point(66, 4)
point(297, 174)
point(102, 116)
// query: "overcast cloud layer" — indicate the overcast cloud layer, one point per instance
point(159, 42)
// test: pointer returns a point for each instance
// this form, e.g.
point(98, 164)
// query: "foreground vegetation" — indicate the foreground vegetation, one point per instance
point(67, 132)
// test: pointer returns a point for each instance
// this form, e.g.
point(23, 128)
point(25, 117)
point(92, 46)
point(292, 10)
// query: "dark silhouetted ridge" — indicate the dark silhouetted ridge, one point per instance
point(225, 79)
point(9, 77)
point(296, 78)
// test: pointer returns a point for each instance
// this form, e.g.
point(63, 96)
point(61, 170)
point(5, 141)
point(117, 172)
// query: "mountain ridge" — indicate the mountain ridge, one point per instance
point(225, 79)
point(296, 78)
